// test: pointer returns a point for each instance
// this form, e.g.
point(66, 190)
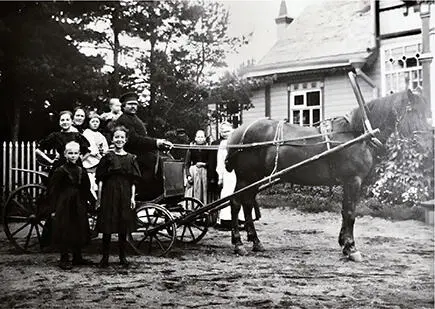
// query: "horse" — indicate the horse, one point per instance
point(404, 112)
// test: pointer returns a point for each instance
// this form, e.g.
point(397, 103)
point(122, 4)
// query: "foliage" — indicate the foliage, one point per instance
point(231, 94)
point(405, 174)
point(174, 46)
point(319, 199)
point(40, 64)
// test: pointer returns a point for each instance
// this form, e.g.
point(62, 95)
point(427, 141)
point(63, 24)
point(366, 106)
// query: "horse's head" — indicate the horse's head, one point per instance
point(411, 112)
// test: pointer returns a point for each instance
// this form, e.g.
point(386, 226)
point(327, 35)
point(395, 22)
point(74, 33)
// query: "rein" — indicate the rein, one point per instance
point(283, 142)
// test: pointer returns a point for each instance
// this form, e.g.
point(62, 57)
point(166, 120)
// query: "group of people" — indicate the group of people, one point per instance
point(100, 163)
point(99, 169)
point(206, 175)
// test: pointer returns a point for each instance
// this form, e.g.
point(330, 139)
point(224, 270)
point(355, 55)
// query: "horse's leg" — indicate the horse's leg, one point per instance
point(249, 225)
point(351, 193)
point(236, 240)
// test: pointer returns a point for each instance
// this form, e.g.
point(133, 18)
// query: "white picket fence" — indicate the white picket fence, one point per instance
point(15, 156)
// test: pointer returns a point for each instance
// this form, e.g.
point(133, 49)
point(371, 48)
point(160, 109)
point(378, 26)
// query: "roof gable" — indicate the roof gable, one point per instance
point(329, 31)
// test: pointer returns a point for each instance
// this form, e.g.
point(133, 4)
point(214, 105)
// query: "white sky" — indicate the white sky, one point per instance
point(257, 16)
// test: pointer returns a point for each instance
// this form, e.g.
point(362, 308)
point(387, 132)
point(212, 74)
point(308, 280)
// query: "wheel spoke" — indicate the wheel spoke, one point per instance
point(150, 244)
point(184, 231)
point(163, 235)
point(191, 232)
point(20, 206)
point(18, 218)
point(159, 243)
point(199, 227)
point(37, 233)
point(28, 237)
point(20, 229)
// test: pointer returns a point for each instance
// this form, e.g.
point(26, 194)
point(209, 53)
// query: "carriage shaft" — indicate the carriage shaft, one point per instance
point(263, 183)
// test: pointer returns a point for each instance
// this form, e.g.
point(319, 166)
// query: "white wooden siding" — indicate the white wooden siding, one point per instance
point(279, 101)
point(339, 97)
point(258, 111)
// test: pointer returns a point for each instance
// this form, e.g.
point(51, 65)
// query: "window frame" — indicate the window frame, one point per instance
point(384, 73)
point(303, 107)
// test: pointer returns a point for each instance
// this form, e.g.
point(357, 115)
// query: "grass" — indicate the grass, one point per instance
point(320, 199)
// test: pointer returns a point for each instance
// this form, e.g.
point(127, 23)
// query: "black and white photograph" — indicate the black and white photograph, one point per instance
point(217, 154)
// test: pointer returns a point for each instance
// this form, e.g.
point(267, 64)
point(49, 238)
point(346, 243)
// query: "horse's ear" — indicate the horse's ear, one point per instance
point(410, 95)
point(418, 90)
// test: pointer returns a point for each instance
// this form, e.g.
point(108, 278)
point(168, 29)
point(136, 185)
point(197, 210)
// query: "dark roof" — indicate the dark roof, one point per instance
point(327, 34)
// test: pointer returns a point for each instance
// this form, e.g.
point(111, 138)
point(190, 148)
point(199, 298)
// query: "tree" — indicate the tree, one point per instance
point(38, 63)
point(186, 40)
point(100, 24)
point(231, 96)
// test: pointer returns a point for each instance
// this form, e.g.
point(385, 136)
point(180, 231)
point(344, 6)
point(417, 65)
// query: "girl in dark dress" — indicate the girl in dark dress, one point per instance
point(57, 141)
point(69, 194)
point(117, 175)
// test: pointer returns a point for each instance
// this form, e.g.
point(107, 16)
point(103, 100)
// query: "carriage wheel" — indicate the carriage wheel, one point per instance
point(156, 230)
point(23, 227)
point(195, 230)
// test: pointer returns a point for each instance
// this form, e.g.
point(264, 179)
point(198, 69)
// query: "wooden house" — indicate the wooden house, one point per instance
point(304, 76)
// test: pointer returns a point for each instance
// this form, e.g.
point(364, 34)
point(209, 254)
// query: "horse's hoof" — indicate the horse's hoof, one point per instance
point(355, 256)
point(240, 250)
point(258, 247)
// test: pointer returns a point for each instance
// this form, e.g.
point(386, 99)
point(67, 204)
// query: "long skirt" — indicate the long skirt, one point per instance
point(199, 187)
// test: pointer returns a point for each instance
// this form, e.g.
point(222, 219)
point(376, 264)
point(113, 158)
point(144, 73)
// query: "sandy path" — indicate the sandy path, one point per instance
point(302, 268)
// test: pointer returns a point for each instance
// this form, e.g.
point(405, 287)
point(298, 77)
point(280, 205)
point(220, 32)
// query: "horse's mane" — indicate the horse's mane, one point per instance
point(379, 111)
point(404, 112)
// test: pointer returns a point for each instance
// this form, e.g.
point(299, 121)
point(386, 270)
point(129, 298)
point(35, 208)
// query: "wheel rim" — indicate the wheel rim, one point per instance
point(23, 226)
point(195, 230)
point(156, 230)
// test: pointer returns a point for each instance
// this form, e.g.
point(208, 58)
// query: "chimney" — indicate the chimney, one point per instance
point(282, 21)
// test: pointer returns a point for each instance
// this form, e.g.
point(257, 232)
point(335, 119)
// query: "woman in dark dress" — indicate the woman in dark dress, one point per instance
point(57, 140)
point(79, 119)
point(69, 194)
point(117, 175)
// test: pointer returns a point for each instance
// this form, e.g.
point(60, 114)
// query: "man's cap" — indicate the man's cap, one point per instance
point(129, 97)
point(181, 130)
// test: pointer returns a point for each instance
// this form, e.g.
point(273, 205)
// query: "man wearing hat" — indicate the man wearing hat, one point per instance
point(138, 142)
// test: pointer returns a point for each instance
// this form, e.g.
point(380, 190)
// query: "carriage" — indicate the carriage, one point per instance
point(24, 223)
point(171, 217)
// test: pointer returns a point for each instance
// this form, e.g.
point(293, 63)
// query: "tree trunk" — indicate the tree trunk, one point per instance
point(15, 130)
point(115, 78)
point(153, 87)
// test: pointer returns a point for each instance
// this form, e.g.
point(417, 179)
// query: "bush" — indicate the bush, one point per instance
point(405, 173)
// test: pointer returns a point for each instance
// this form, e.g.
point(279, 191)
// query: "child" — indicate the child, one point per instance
point(117, 175)
point(196, 169)
point(68, 193)
point(97, 149)
point(109, 119)
point(57, 141)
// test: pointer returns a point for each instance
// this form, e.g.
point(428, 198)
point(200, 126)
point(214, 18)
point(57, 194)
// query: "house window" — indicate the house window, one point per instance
point(305, 104)
point(401, 67)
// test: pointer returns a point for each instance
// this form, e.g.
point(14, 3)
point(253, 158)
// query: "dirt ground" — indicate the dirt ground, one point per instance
point(302, 268)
